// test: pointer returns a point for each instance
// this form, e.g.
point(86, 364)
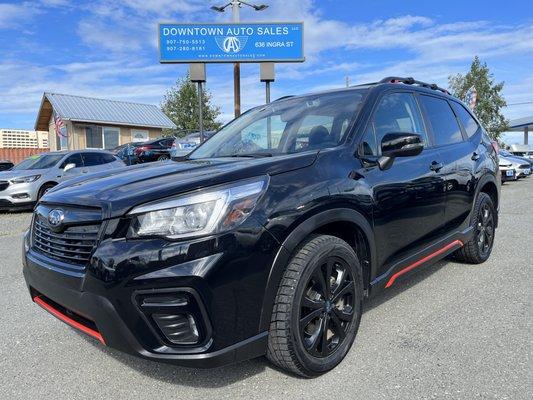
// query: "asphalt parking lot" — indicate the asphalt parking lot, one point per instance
point(453, 331)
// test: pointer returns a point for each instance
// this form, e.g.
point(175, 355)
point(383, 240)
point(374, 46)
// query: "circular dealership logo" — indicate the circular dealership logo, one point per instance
point(231, 44)
point(56, 217)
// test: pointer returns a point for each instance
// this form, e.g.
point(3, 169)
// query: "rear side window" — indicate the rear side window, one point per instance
point(442, 119)
point(469, 123)
point(92, 159)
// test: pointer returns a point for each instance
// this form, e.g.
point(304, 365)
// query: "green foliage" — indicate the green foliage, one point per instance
point(489, 98)
point(180, 104)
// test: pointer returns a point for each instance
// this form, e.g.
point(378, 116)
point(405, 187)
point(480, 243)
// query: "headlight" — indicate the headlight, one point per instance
point(202, 213)
point(25, 179)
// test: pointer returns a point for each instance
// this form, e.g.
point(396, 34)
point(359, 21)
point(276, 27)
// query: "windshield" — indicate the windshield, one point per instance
point(38, 162)
point(286, 126)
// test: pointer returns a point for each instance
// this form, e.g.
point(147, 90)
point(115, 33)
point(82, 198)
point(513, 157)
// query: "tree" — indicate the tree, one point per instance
point(489, 98)
point(180, 104)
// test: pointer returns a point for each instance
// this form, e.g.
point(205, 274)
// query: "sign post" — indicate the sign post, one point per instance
point(197, 74)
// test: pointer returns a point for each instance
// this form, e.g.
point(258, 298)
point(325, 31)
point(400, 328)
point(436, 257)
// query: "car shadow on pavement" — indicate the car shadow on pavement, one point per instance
point(229, 374)
point(182, 376)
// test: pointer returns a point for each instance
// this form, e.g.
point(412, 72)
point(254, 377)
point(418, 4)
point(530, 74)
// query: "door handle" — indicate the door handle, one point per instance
point(436, 166)
point(475, 156)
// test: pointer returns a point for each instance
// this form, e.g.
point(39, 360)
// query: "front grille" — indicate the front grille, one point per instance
point(3, 185)
point(74, 245)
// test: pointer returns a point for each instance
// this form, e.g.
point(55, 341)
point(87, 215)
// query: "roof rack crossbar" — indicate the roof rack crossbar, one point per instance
point(412, 81)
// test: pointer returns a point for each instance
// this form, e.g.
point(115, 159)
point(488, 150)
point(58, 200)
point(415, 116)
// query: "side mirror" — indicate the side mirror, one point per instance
point(401, 145)
point(69, 166)
point(398, 144)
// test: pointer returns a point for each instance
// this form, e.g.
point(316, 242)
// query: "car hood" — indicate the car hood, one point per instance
point(117, 191)
point(6, 175)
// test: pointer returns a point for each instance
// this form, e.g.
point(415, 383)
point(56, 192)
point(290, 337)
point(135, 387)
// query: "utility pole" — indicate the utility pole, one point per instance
point(235, 8)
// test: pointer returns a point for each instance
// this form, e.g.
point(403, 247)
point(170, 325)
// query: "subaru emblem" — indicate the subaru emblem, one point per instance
point(56, 217)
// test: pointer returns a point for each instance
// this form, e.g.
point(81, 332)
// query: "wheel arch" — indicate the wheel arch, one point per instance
point(347, 224)
point(53, 183)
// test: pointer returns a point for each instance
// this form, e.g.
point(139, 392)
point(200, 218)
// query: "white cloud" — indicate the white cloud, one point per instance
point(13, 15)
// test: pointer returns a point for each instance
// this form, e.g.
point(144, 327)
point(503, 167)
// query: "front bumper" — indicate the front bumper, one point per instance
point(102, 299)
point(19, 196)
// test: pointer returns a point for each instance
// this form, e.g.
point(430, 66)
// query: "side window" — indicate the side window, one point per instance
point(73, 159)
point(398, 112)
point(92, 159)
point(108, 158)
point(368, 146)
point(442, 119)
point(469, 123)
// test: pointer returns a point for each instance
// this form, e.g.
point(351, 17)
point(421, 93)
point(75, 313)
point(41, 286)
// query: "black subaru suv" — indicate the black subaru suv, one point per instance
point(268, 237)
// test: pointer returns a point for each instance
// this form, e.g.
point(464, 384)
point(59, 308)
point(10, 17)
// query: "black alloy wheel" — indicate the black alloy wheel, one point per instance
point(485, 229)
point(479, 247)
point(318, 307)
point(327, 307)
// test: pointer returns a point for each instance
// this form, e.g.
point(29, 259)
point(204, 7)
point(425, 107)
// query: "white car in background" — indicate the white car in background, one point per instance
point(183, 146)
point(24, 184)
point(521, 168)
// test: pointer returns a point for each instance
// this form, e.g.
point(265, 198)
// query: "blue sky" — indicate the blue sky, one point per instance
point(108, 48)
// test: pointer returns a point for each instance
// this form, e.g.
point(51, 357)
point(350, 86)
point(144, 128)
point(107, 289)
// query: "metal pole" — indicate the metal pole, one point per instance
point(200, 113)
point(526, 134)
point(236, 66)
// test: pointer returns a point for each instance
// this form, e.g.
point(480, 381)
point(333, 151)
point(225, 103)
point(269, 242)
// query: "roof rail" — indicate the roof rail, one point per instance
point(412, 81)
point(284, 97)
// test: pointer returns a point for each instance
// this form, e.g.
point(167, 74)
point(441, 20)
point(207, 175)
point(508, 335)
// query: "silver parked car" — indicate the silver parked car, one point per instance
point(183, 146)
point(522, 169)
point(28, 181)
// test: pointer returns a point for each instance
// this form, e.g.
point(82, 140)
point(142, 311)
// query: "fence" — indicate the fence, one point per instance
point(17, 155)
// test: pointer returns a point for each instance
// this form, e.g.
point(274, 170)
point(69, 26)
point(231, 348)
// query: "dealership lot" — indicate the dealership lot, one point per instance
point(452, 331)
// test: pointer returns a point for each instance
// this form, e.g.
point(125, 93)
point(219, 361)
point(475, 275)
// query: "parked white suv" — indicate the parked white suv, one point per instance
point(24, 184)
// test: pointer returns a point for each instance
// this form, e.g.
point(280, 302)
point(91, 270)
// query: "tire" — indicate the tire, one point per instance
point(476, 250)
point(45, 188)
point(163, 158)
point(295, 342)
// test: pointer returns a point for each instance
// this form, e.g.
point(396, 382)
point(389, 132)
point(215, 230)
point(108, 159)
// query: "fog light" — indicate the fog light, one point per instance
point(178, 328)
point(21, 196)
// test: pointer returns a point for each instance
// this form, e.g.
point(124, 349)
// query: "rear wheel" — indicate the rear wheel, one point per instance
point(478, 249)
point(318, 307)
point(163, 157)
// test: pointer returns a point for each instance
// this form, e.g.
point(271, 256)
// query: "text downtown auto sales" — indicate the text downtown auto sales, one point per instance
point(227, 31)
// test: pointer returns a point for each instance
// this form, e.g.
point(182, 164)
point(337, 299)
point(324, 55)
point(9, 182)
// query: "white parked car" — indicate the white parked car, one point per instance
point(24, 184)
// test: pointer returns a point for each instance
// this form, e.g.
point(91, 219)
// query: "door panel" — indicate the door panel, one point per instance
point(409, 204)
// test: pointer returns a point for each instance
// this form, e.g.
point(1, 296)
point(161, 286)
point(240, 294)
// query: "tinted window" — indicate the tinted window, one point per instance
point(442, 119)
point(469, 123)
point(398, 112)
point(108, 158)
point(92, 159)
point(73, 159)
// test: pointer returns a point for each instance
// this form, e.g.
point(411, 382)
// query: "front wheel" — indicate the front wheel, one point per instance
point(163, 157)
point(44, 189)
point(318, 307)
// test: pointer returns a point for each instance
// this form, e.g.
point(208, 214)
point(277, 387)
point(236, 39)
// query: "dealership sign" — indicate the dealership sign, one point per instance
point(215, 43)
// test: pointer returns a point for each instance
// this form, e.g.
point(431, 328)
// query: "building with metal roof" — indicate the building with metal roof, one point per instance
point(98, 123)
point(522, 124)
